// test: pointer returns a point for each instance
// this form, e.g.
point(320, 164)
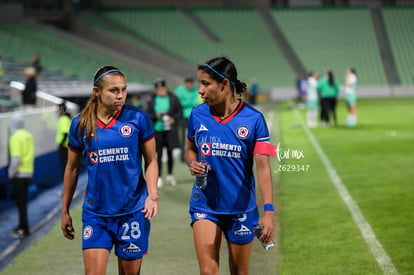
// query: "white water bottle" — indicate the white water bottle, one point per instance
point(166, 122)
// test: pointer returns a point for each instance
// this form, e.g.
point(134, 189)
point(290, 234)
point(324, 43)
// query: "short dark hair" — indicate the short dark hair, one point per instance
point(160, 82)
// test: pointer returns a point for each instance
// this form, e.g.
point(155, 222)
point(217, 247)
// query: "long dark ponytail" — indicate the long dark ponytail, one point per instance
point(331, 78)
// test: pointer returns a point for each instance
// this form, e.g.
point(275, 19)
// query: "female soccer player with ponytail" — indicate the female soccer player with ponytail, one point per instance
point(229, 135)
point(120, 196)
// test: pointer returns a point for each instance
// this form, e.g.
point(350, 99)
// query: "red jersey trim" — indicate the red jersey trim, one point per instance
point(111, 123)
point(73, 150)
point(192, 142)
point(228, 118)
point(151, 138)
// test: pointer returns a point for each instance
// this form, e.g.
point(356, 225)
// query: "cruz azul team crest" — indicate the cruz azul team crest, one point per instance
point(243, 132)
point(125, 130)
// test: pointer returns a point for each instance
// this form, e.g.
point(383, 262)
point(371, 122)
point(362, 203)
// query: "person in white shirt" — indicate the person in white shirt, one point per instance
point(312, 99)
point(351, 97)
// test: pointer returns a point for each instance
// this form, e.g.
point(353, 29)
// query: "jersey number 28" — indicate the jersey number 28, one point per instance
point(131, 231)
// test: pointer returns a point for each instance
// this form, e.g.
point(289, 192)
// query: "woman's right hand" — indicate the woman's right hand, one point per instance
point(67, 227)
point(196, 168)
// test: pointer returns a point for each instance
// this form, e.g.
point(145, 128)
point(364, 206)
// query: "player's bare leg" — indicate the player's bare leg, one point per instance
point(239, 257)
point(95, 261)
point(207, 238)
point(126, 267)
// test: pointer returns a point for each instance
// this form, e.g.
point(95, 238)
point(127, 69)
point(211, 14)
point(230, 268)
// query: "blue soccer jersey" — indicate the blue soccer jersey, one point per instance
point(116, 185)
point(227, 145)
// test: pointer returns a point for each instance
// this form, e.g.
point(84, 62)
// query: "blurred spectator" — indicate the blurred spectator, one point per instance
point(1, 69)
point(328, 89)
point(1, 76)
point(20, 171)
point(76, 6)
point(301, 83)
point(254, 90)
point(29, 92)
point(351, 97)
point(62, 133)
point(36, 63)
point(136, 101)
point(312, 99)
point(165, 111)
point(189, 97)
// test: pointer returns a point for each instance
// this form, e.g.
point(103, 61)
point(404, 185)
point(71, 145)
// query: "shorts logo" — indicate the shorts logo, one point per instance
point(243, 231)
point(242, 217)
point(132, 248)
point(87, 232)
point(93, 157)
point(125, 130)
point(205, 148)
point(243, 132)
point(200, 216)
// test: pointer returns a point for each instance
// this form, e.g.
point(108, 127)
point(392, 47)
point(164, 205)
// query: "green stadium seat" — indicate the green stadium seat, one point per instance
point(399, 22)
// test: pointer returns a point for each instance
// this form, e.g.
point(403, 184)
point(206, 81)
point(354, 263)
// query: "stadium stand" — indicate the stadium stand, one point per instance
point(334, 38)
point(400, 25)
point(322, 38)
point(168, 28)
point(111, 27)
point(131, 48)
point(61, 55)
point(247, 40)
point(242, 34)
point(170, 41)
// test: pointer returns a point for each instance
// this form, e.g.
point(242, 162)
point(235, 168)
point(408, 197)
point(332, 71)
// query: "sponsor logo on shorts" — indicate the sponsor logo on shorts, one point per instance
point(243, 231)
point(87, 232)
point(200, 216)
point(132, 248)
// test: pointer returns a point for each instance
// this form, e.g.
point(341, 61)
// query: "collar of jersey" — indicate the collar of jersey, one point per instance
point(111, 123)
point(229, 117)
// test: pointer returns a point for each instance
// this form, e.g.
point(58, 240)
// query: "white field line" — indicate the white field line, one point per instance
point(384, 261)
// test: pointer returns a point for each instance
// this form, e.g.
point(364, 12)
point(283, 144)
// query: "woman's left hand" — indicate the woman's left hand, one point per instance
point(151, 207)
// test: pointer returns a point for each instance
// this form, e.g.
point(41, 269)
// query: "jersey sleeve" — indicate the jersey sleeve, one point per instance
point(146, 130)
point(75, 140)
point(262, 140)
point(262, 132)
point(190, 128)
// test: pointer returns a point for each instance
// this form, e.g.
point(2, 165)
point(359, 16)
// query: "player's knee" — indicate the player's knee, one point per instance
point(209, 270)
point(237, 270)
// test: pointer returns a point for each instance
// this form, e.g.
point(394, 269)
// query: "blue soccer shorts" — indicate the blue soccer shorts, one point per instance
point(237, 229)
point(128, 234)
